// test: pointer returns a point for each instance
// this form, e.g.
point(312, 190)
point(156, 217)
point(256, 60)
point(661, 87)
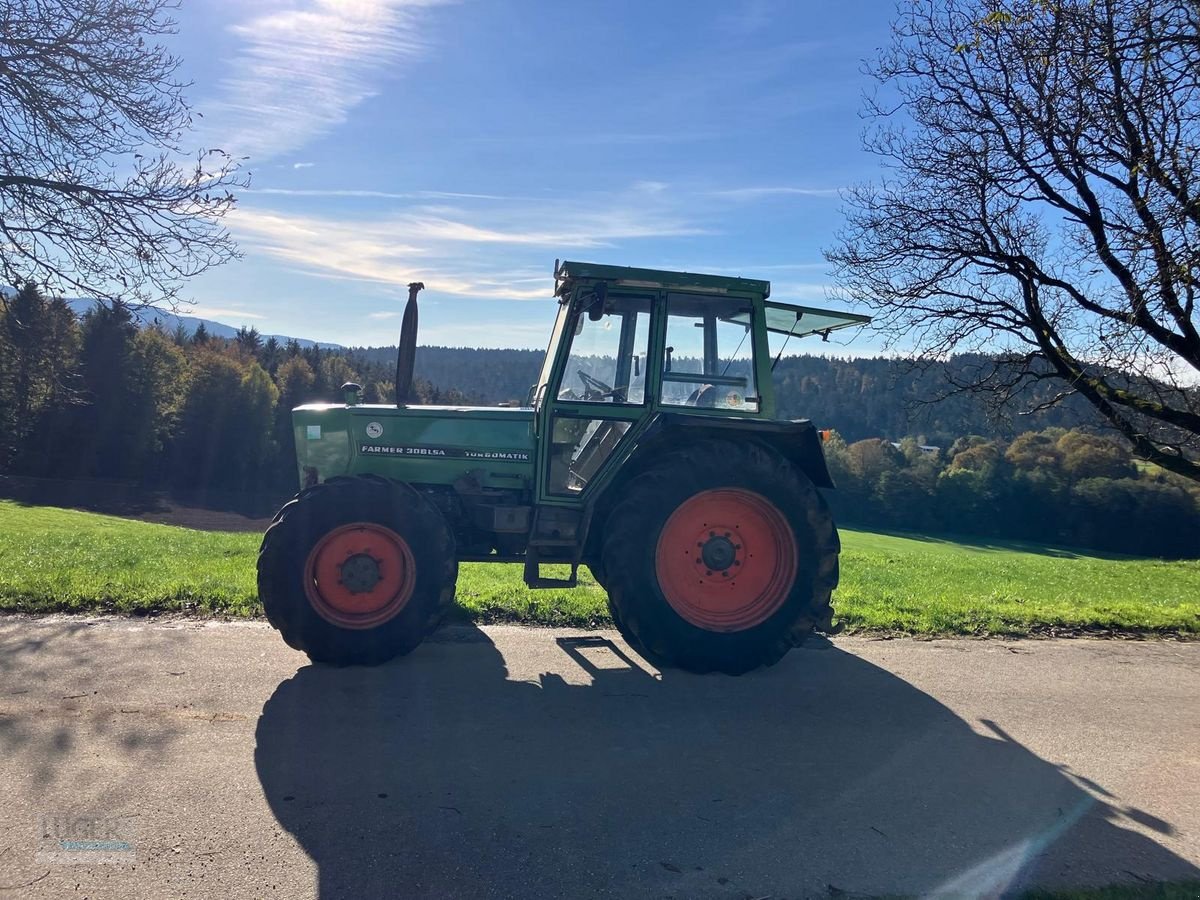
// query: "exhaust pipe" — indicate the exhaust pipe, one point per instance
point(406, 353)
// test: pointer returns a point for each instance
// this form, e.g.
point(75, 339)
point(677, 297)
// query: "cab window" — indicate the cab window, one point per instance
point(709, 355)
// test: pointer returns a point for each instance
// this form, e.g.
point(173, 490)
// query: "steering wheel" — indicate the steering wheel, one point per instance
point(595, 385)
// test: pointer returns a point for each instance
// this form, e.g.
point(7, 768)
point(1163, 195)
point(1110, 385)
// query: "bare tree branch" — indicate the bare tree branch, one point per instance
point(1041, 202)
point(97, 195)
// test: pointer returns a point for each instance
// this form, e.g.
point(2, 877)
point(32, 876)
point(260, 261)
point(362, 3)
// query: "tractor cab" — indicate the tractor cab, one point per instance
point(632, 345)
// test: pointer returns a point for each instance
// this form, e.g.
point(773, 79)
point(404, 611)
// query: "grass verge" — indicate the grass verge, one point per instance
point(54, 560)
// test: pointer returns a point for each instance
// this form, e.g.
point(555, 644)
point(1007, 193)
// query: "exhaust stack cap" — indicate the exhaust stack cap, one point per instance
point(406, 352)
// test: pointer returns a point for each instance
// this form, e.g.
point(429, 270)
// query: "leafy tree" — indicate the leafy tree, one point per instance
point(96, 192)
point(121, 414)
point(202, 451)
point(905, 497)
point(249, 340)
point(1090, 456)
point(38, 345)
point(871, 458)
point(1043, 199)
point(334, 372)
point(1113, 513)
point(1035, 450)
point(983, 457)
point(835, 447)
point(225, 423)
point(294, 378)
point(966, 502)
point(106, 374)
point(379, 392)
point(256, 450)
point(965, 443)
point(270, 355)
point(156, 387)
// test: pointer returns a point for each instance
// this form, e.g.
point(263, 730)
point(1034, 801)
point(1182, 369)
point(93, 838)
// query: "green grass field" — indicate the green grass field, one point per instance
point(54, 560)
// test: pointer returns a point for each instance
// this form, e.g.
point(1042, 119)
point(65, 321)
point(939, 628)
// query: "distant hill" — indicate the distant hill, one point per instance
point(860, 398)
point(170, 321)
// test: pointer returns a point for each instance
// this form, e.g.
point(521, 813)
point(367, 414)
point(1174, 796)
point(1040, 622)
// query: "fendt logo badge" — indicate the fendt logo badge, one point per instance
point(374, 430)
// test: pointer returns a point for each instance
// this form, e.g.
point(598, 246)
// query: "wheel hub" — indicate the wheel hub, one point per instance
point(719, 552)
point(360, 573)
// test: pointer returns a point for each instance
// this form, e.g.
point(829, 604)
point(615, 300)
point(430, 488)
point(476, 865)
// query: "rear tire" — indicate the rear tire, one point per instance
point(721, 557)
point(356, 571)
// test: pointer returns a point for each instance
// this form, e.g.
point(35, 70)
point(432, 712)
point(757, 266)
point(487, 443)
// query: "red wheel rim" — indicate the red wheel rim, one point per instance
point(726, 560)
point(359, 575)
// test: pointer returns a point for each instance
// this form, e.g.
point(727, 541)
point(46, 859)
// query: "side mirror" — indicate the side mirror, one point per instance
point(637, 367)
point(595, 306)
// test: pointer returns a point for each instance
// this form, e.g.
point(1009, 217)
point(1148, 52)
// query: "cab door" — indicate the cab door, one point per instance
point(596, 394)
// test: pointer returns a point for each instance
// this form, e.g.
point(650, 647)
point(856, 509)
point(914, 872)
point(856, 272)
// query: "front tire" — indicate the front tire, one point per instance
point(356, 571)
point(721, 557)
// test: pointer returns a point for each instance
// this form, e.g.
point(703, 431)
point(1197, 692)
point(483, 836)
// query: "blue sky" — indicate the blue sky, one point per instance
point(468, 144)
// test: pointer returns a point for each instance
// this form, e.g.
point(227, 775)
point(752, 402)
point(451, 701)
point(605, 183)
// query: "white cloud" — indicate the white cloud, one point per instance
point(750, 270)
point(219, 312)
point(483, 252)
point(371, 195)
point(593, 138)
point(384, 314)
point(303, 165)
point(800, 292)
point(489, 334)
point(751, 16)
point(299, 71)
point(761, 193)
point(651, 187)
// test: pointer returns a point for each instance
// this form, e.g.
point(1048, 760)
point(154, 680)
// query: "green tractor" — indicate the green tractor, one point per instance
point(649, 451)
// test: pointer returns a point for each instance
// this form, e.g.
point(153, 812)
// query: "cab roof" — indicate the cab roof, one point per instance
point(627, 276)
point(781, 318)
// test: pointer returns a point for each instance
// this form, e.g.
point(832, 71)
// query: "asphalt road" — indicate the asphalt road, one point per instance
point(212, 761)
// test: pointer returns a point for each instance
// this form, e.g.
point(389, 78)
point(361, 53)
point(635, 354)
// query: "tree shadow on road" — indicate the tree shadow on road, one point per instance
point(438, 776)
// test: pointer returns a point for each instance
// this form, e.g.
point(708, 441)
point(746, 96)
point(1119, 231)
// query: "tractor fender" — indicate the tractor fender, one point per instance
point(798, 440)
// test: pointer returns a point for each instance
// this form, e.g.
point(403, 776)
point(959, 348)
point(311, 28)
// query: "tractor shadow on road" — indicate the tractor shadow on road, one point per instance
point(462, 772)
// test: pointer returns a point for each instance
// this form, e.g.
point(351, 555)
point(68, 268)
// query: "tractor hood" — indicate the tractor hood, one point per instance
point(421, 444)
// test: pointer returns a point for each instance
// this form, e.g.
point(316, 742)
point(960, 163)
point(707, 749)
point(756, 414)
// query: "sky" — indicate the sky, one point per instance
point(470, 144)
